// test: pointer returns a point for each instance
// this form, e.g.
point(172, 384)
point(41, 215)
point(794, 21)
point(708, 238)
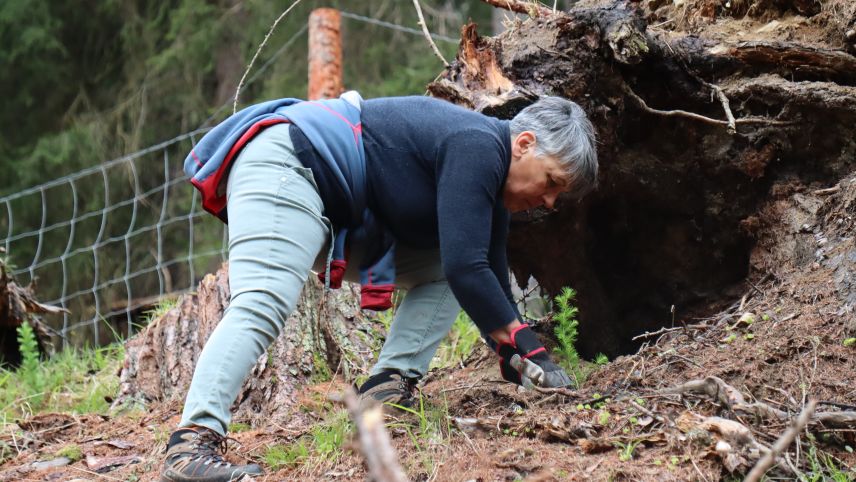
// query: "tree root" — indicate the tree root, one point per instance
point(729, 124)
point(716, 388)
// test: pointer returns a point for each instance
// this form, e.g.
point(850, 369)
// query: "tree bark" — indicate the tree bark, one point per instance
point(159, 362)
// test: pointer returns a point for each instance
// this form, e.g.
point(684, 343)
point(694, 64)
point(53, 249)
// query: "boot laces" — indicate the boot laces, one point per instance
point(211, 445)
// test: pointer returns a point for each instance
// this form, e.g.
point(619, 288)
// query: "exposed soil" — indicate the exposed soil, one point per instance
point(801, 293)
point(717, 225)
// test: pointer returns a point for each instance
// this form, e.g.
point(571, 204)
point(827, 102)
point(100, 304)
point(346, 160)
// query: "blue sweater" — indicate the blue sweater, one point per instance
point(334, 129)
point(435, 173)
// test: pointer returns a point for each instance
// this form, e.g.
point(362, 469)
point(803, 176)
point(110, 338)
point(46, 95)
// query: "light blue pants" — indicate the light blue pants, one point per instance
point(276, 234)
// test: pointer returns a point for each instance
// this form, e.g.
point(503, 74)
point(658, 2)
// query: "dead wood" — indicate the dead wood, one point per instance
point(717, 389)
point(793, 60)
point(782, 444)
point(518, 6)
point(19, 305)
point(375, 446)
point(730, 397)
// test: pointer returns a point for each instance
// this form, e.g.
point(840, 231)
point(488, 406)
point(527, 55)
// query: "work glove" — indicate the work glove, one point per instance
point(524, 360)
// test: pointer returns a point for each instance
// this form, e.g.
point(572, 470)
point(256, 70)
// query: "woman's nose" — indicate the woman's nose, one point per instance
point(549, 200)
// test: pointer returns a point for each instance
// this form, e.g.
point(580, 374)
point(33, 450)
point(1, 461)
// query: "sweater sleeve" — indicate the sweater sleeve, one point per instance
point(470, 176)
point(498, 254)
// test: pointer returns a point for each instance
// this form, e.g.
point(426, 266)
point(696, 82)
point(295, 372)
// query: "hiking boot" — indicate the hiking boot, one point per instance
point(193, 455)
point(388, 387)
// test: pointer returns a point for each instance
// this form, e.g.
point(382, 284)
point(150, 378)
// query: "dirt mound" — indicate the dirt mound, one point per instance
point(745, 226)
point(703, 400)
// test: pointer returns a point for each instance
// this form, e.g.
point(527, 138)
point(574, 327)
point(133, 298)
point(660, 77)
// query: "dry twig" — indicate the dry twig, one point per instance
point(729, 396)
point(781, 444)
point(649, 334)
point(381, 458)
point(428, 34)
point(255, 56)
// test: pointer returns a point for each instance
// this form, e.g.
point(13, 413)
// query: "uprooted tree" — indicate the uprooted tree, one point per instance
point(699, 123)
point(18, 305)
point(701, 126)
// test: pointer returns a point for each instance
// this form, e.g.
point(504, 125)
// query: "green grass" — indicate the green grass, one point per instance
point(824, 467)
point(237, 427)
point(431, 429)
point(455, 348)
point(74, 380)
point(291, 455)
point(160, 309)
point(322, 445)
point(627, 450)
point(77, 380)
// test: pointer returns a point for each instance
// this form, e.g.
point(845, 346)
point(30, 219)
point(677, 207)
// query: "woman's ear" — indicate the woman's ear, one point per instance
point(522, 143)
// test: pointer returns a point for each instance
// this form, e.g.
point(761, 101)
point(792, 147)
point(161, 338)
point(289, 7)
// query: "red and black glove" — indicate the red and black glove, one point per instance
point(524, 360)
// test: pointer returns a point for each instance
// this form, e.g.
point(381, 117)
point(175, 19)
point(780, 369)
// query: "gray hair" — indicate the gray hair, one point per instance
point(562, 131)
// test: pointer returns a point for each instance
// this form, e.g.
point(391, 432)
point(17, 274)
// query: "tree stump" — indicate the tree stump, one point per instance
point(160, 360)
point(18, 305)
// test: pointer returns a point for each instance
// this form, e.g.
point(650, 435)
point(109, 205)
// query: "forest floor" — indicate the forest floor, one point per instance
point(702, 400)
point(640, 417)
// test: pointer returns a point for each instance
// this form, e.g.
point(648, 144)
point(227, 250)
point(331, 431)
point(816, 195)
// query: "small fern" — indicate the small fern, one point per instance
point(566, 327)
point(29, 346)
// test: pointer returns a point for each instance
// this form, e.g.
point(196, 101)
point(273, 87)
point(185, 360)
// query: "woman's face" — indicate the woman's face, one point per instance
point(532, 181)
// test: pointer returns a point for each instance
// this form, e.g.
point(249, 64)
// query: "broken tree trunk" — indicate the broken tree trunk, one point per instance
point(160, 360)
point(697, 128)
point(18, 305)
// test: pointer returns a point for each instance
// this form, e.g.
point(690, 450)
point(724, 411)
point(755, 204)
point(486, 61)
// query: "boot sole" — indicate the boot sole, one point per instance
point(240, 478)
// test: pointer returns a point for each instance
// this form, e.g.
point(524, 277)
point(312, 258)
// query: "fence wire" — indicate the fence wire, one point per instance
point(112, 239)
point(120, 236)
point(131, 230)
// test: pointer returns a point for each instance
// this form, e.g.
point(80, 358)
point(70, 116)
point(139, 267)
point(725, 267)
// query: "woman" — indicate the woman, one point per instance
point(417, 190)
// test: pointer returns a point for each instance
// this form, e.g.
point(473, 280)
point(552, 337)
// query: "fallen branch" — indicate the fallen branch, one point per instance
point(765, 462)
point(381, 458)
point(729, 396)
point(835, 419)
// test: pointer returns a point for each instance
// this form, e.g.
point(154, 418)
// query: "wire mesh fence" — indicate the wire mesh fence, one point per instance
point(112, 239)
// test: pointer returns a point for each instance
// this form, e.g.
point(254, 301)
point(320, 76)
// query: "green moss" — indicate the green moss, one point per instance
point(71, 452)
point(236, 427)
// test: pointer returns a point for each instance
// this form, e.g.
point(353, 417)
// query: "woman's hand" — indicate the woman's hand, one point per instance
point(524, 360)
